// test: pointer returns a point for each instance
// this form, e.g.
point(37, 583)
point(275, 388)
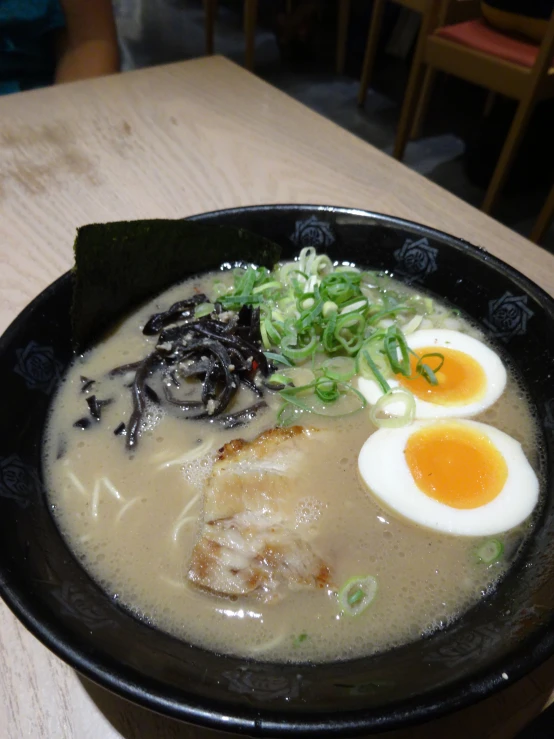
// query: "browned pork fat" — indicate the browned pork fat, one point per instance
point(247, 544)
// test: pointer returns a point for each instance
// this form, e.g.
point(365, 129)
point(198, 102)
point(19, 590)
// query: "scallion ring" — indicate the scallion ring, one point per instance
point(396, 395)
point(339, 368)
point(287, 415)
point(427, 372)
point(357, 594)
point(322, 265)
point(349, 332)
point(376, 317)
point(293, 349)
point(394, 344)
point(489, 552)
point(326, 389)
point(279, 380)
point(278, 358)
point(377, 374)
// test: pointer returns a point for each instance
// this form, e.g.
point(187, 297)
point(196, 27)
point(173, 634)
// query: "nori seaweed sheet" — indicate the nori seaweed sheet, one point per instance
point(120, 265)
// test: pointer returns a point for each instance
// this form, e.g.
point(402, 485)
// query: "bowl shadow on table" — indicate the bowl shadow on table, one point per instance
point(502, 716)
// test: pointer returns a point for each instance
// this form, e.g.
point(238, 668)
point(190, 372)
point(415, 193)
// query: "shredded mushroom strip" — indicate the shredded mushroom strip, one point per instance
point(220, 349)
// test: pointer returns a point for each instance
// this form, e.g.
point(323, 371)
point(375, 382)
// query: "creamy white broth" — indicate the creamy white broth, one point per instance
point(132, 519)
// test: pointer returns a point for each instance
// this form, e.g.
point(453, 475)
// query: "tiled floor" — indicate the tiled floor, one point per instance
point(159, 31)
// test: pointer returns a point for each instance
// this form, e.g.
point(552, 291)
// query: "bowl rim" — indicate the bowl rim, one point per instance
point(217, 714)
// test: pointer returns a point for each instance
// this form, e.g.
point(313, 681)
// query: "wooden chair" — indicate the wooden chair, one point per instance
point(418, 6)
point(342, 33)
point(459, 10)
point(250, 16)
point(544, 220)
point(477, 53)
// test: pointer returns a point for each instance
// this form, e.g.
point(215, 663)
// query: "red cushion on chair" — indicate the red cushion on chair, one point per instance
point(479, 36)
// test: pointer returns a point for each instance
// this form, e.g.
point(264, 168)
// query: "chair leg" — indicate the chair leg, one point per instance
point(210, 9)
point(543, 221)
point(371, 49)
point(489, 104)
point(423, 103)
point(509, 150)
point(410, 101)
point(250, 17)
point(342, 33)
point(428, 23)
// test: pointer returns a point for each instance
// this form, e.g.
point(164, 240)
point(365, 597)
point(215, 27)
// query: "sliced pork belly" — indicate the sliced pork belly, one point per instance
point(247, 543)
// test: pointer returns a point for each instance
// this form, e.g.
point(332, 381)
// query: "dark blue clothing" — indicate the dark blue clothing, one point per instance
point(27, 54)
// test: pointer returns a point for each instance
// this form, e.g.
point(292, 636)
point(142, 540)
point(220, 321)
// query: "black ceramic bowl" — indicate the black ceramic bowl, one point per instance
point(506, 634)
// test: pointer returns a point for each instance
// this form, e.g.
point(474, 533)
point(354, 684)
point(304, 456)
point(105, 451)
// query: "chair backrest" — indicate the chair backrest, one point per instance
point(458, 11)
point(440, 10)
point(452, 11)
point(417, 5)
point(545, 56)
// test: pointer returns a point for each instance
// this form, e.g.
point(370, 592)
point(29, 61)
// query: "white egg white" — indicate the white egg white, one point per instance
point(383, 468)
point(492, 365)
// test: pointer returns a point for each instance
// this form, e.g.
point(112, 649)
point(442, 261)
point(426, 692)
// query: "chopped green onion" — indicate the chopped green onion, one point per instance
point(329, 307)
point(349, 268)
point(204, 309)
point(412, 325)
point(428, 373)
point(438, 355)
point(340, 287)
point(395, 343)
point(322, 265)
point(295, 351)
point(301, 377)
point(287, 415)
point(328, 337)
point(327, 323)
point(349, 332)
point(326, 389)
point(285, 271)
point(280, 380)
point(272, 332)
point(383, 384)
point(305, 398)
point(265, 336)
point(386, 313)
point(274, 285)
point(306, 257)
point(339, 368)
point(279, 358)
point(308, 316)
point(300, 639)
point(396, 395)
point(489, 552)
point(357, 594)
point(235, 301)
point(354, 307)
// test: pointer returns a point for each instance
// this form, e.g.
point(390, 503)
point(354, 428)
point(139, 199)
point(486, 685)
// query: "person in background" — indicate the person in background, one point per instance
point(51, 41)
point(527, 17)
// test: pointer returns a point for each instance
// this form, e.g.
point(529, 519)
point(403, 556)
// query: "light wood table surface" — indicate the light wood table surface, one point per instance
point(169, 142)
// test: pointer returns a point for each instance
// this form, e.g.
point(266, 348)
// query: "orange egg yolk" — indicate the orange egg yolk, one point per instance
point(460, 380)
point(456, 465)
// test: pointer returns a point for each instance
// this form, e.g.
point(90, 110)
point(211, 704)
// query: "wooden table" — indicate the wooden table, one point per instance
point(168, 142)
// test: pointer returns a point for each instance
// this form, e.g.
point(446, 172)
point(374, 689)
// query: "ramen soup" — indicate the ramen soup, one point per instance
point(314, 463)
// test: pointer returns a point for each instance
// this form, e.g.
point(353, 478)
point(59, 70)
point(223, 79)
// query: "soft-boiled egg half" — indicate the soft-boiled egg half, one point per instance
point(471, 378)
point(457, 476)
